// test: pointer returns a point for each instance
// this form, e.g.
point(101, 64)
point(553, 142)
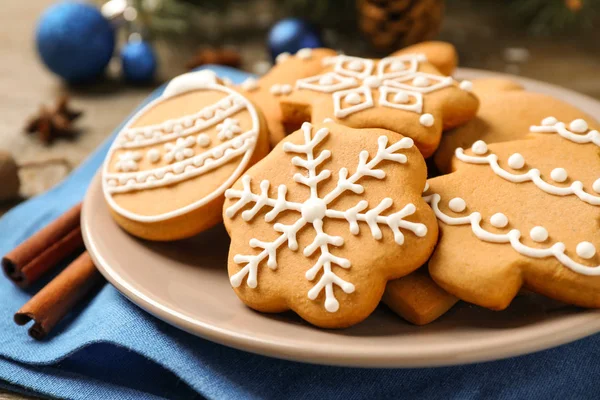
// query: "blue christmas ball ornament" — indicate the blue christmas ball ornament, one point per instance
point(75, 41)
point(138, 62)
point(292, 34)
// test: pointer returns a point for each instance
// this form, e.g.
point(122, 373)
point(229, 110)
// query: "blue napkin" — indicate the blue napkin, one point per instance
point(111, 349)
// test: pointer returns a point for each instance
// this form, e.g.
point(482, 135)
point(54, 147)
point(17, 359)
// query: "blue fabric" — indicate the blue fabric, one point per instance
point(110, 349)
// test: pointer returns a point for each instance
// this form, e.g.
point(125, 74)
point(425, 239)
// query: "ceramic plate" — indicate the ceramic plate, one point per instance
point(185, 284)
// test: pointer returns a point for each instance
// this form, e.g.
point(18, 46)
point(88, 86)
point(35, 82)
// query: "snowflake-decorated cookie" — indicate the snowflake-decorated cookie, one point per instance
point(505, 113)
point(281, 81)
point(522, 214)
point(404, 93)
point(165, 175)
point(324, 221)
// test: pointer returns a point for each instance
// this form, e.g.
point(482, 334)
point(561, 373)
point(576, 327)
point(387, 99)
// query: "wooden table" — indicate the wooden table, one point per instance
point(474, 26)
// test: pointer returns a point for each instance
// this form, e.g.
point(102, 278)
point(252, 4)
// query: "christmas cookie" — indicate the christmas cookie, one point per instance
point(165, 175)
point(403, 93)
point(325, 220)
point(522, 214)
point(505, 113)
point(417, 298)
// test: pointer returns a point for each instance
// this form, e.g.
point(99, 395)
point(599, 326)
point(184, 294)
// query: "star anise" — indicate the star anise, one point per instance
point(217, 56)
point(53, 122)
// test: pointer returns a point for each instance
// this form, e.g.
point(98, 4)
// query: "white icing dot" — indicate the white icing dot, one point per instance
point(457, 205)
point(352, 98)
point(499, 220)
point(467, 86)
point(203, 140)
point(153, 155)
point(578, 126)
point(355, 65)
point(586, 250)
point(538, 234)
point(250, 84)
point(326, 120)
point(516, 161)
point(479, 147)
point(549, 121)
point(397, 66)
point(420, 81)
point(559, 175)
point(426, 120)
point(326, 80)
point(178, 168)
point(373, 82)
point(282, 57)
point(188, 122)
point(304, 54)
point(401, 97)
point(596, 186)
point(206, 114)
point(286, 89)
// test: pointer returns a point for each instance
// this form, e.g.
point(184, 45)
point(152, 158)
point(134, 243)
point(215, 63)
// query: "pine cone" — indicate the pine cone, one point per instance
point(398, 23)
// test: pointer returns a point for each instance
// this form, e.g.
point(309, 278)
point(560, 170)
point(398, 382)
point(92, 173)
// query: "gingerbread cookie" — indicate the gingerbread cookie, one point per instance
point(403, 93)
point(505, 113)
point(522, 213)
point(165, 175)
point(417, 298)
point(325, 220)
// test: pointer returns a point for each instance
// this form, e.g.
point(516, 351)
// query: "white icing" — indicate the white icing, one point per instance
point(180, 150)
point(282, 57)
point(499, 220)
point(153, 155)
point(578, 126)
point(327, 120)
point(280, 89)
point(479, 147)
point(457, 205)
point(240, 148)
point(559, 175)
point(426, 120)
point(596, 185)
point(203, 140)
point(352, 98)
point(228, 129)
point(585, 250)
point(538, 234)
point(549, 121)
point(557, 250)
point(551, 125)
point(467, 86)
point(396, 78)
point(516, 161)
point(304, 54)
point(128, 161)
point(249, 84)
point(315, 209)
point(533, 175)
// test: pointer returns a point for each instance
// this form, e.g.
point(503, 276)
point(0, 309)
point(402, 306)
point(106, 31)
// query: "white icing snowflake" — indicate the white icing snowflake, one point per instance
point(228, 128)
point(128, 161)
point(316, 208)
point(353, 80)
point(180, 150)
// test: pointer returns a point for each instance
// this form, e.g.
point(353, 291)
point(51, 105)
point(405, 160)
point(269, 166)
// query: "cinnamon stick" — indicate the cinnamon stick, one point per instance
point(44, 250)
point(48, 307)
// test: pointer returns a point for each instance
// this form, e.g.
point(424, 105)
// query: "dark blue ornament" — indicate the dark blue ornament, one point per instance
point(292, 34)
point(75, 41)
point(138, 62)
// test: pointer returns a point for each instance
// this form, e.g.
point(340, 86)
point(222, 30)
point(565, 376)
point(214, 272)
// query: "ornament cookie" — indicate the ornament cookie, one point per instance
point(403, 93)
point(325, 220)
point(165, 175)
point(505, 113)
point(522, 213)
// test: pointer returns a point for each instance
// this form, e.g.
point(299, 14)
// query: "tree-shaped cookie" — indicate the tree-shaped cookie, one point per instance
point(403, 93)
point(325, 220)
point(281, 80)
point(505, 113)
point(522, 213)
